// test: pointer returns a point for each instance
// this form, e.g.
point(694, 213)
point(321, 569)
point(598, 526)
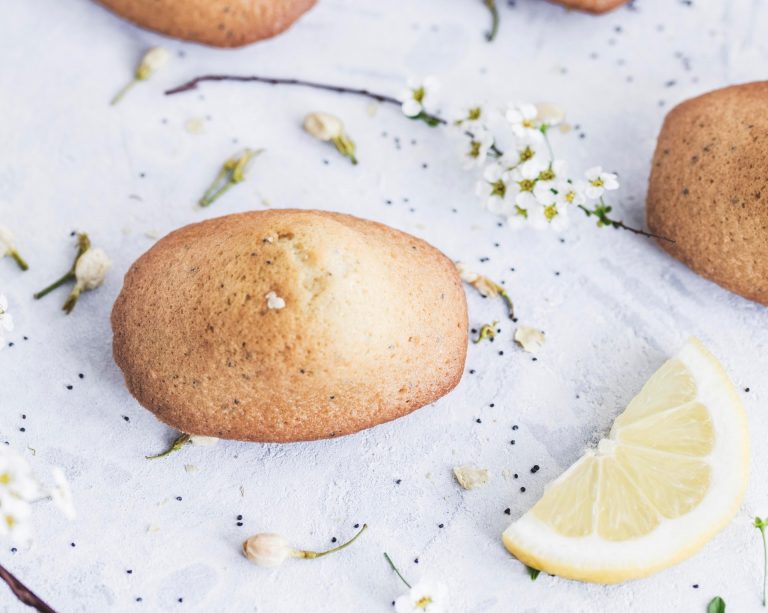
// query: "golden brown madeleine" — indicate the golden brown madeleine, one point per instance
point(220, 23)
point(708, 189)
point(289, 325)
point(591, 6)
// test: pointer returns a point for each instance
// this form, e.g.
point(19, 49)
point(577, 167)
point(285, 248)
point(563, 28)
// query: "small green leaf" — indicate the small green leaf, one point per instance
point(716, 605)
point(533, 573)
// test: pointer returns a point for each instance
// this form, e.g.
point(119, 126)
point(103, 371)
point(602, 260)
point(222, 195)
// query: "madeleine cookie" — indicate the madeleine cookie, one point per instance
point(708, 189)
point(591, 6)
point(220, 23)
point(289, 325)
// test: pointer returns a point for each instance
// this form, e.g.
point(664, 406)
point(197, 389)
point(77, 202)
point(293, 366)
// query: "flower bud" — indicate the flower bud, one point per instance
point(153, 60)
point(323, 126)
point(7, 241)
point(91, 268)
point(268, 550)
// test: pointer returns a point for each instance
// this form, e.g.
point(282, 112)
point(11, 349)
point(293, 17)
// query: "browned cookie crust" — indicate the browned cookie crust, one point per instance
point(374, 326)
point(220, 23)
point(591, 6)
point(708, 188)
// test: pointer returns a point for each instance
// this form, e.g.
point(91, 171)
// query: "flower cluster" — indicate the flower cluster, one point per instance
point(520, 179)
point(19, 489)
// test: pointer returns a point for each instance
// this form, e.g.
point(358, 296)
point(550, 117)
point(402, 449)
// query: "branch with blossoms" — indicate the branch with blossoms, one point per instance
point(520, 178)
point(19, 491)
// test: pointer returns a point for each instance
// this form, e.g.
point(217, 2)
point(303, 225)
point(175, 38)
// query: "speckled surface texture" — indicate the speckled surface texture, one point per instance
point(155, 536)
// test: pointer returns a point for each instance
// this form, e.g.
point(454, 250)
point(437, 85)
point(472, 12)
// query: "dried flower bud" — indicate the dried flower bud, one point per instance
point(549, 114)
point(91, 268)
point(323, 126)
point(153, 60)
point(203, 441)
point(327, 127)
point(8, 247)
point(268, 550)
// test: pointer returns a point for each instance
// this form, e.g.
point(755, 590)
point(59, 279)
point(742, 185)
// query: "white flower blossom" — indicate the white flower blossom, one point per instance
point(545, 189)
point(423, 597)
point(18, 488)
point(61, 494)
point(497, 188)
point(526, 176)
point(473, 117)
point(557, 216)
point(524, 122)
point(420, 96)
point(6, 319)
point(475, 148)
point(569, 193)
point(536, 216)
point(599, 182)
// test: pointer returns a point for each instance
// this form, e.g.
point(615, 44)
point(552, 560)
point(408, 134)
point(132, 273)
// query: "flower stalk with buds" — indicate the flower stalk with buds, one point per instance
point(88, 272)
point(271, 550)
point(232, 172)
point(486, 287)
point(329, 128)
point(8, 248)
point(153, 60)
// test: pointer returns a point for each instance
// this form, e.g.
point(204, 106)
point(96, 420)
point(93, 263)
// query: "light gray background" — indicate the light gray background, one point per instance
point(617, 309)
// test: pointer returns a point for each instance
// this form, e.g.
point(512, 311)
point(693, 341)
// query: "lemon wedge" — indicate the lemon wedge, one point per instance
point(671, 473)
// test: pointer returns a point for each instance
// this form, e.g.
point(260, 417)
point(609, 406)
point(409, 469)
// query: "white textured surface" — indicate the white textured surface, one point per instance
point(617, 308)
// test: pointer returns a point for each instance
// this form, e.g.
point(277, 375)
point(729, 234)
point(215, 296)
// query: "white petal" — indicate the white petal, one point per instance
point(593, 173)
point(411, 108)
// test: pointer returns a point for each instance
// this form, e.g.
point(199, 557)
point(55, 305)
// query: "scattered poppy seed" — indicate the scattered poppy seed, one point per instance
point(695, 586)
point(69, 387)
point(239, 523)
point(514, 427)
point(515, 476)
point(471, 371)
point(535, 468)
point(492, 405)
point(239, 517)
point(478, 420)
point(746, 389)
point(13, 550)
point(178, 498)
point(72, 545)
point(416, 560)
point(81, 375)
point(522, 489)
point(22, 429)
point(398, 481)
point(507, 511)
point(512, 442)
point(333, 540)
point(440, 525)
point(129, 571)
point(126, 418)
point(356, 526)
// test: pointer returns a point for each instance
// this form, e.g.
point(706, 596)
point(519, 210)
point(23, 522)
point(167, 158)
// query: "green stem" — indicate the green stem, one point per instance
point(765, 565)
point(544, 129)
point(19, 260)
point(70, 276)
point(71, 300)
point(209, 198)
point(491, 6)
point(397, 572)
point(177, 444)
point(320, 554)
point(121, 94)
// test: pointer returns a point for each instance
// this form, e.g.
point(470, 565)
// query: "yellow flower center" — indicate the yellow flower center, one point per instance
point(526, 185)
point(418, 94)
point(597, 182)
point(521, 212)
point(569, 197)
point(547, 175)
point(5, 478)
point(526, 154)
point(498, 188)
point(474, 149)
point(474, 114)
point(528, 123)
point(422, 602)
point(550, 212)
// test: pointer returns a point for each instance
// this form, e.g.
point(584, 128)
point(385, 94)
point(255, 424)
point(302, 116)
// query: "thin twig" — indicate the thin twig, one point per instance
point(23, 593)
point(339, 89)
point(604, 220)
